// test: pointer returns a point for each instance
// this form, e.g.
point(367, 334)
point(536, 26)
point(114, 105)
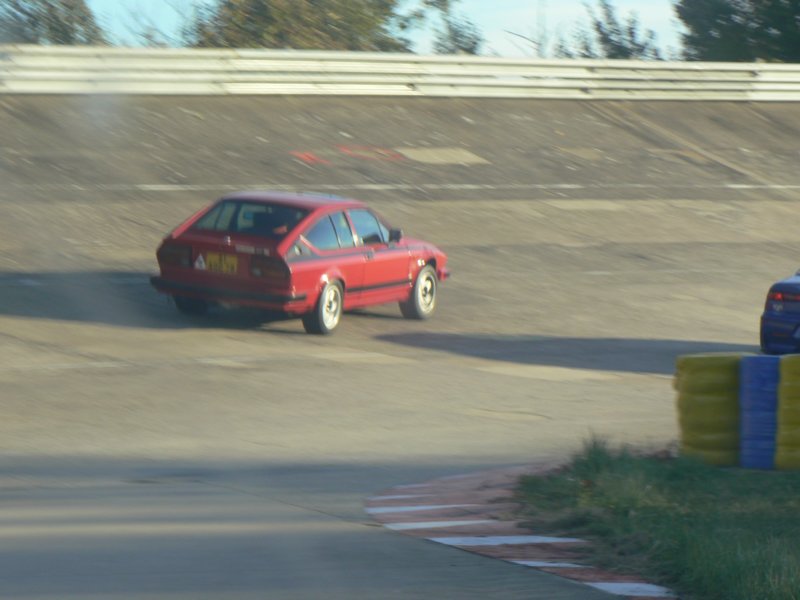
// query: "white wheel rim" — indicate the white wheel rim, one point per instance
point(427, 293)
point(332, 307)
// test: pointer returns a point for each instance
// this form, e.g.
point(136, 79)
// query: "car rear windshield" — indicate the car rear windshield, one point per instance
point(252, 218)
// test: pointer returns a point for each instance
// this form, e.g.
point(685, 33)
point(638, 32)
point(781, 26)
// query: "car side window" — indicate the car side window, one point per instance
point(298, 251)
point(343, 230)
point(368, 228)
point(323, 235)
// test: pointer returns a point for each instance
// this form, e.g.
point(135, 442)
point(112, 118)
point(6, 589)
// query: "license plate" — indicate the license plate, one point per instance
point(222, 263)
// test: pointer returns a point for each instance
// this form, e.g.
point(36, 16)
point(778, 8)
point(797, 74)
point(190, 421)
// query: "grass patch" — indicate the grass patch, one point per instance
point(706, 532)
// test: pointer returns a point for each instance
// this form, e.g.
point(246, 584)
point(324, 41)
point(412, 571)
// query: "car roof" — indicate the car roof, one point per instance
point(306, 200)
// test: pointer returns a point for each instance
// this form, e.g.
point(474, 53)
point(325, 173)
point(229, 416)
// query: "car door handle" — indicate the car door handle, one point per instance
point(370, 255)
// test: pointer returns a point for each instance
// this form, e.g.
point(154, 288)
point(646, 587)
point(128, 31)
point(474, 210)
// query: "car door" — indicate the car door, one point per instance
point(386, 270)
point(327, 247)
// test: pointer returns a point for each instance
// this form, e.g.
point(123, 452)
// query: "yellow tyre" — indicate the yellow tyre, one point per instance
point(718, 458)
point(787, 459)
point(727, 440)
point(790, 368)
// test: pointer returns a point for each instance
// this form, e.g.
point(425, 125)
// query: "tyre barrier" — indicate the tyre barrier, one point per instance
point(739, 409)
point(787, 442)
point(708, 407)
point(758, 398)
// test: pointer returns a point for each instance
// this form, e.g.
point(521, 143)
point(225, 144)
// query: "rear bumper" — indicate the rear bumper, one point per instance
point(780, 334)
point(283, 302)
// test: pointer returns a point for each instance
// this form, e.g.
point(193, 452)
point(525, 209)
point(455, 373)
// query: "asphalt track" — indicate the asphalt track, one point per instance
point(149, 455)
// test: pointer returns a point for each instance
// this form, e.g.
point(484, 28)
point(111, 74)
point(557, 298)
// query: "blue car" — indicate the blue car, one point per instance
point(780, 323)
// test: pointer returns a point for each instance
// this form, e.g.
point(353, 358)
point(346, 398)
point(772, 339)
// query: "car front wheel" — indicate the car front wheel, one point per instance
point(422, 302)
point(328, 311)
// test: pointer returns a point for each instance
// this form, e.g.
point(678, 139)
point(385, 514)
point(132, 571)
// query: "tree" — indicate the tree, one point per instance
point(611, 38)
point(374, 25)
point(48, 22)
point(459, 36)
point(542, 41)
point(741, 30)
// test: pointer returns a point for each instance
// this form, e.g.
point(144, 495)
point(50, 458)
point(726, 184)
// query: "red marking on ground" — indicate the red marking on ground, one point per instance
point(371, 153)
point(482, 491)
point(309, 158)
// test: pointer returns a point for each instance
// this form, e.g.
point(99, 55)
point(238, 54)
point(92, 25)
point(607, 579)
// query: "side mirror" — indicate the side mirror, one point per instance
point(395, 235)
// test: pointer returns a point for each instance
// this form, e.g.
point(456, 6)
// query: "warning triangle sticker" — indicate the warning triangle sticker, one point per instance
point(200, 263)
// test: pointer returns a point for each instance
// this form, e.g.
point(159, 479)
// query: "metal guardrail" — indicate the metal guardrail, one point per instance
point(101, 70)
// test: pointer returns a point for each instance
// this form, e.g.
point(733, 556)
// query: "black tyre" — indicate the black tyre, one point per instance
point(190, 306)
point(422, 302)
point(328, 312)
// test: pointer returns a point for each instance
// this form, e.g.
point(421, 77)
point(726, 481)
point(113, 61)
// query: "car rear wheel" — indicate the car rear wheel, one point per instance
point(422, 302)
point(190, 306)
point(328, 312)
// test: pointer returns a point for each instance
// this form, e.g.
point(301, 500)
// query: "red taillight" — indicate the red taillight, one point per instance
point(775, 301)
point(775, 296)
point(269, 267)
point(175, 255)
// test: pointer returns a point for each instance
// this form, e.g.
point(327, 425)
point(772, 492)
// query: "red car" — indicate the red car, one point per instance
point(304, 255)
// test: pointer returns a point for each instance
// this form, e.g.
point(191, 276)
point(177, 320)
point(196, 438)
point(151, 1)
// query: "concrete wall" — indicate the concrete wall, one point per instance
point(381, 147)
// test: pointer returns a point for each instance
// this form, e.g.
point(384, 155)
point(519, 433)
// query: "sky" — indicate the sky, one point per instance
point(497, 20)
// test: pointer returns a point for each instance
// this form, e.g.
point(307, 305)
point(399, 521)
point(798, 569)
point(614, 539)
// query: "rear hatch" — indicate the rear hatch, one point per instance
point(235, 261)
point(232, 247)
